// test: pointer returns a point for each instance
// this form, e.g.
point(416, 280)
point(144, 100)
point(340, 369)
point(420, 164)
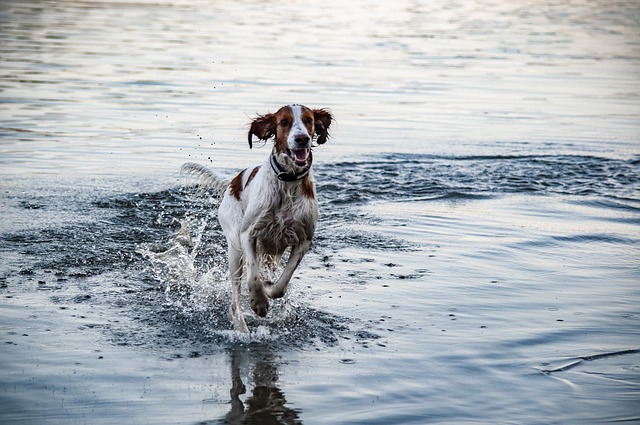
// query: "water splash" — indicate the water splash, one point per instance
point(197, 296)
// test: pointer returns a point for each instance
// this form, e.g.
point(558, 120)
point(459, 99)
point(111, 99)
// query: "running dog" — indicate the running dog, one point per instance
point(271, 207)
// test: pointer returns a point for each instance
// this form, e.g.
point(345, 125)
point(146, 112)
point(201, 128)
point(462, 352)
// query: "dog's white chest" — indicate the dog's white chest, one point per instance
point(286, 226)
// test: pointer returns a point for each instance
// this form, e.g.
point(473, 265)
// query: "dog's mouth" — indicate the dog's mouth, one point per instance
point(299, 156)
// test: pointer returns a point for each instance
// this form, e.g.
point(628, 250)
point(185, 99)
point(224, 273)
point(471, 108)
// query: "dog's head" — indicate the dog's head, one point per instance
point(293, 127)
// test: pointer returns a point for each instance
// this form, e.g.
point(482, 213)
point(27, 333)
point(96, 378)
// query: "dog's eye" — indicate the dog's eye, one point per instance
point(309, 120)
point(284, 123)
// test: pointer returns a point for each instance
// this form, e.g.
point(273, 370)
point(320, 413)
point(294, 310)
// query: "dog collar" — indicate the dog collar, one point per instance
point(289, 176)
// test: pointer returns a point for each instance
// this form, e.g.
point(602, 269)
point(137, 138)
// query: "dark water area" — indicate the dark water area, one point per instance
point(477, 254)
point(410, 176)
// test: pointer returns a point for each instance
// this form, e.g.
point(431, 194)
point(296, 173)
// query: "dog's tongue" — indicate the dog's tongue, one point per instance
point(300, 155)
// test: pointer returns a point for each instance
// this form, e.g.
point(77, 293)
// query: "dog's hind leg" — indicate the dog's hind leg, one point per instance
point(235, 270)
point(278, 289)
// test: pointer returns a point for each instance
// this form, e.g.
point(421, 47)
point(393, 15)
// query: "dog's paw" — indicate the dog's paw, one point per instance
point(260, 303)
point(237, 319)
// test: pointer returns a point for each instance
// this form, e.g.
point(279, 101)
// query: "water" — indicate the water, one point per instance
point(476, 259)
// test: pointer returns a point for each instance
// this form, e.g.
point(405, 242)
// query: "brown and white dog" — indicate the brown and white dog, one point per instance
point(271, 207)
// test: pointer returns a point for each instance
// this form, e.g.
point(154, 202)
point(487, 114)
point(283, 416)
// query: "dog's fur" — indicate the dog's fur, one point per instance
point(271, 207)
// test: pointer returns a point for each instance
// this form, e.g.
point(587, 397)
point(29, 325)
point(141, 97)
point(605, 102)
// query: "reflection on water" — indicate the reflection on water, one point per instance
point(265, 403)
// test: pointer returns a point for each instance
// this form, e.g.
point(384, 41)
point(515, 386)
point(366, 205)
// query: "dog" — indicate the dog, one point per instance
point(272, 207)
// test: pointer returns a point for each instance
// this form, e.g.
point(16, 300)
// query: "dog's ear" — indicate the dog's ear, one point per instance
point(322, 119)
point(264, 127)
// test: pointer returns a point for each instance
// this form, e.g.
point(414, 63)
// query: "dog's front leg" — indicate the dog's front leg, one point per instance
point(280, 287)
point(257, 293)
point(235, 269)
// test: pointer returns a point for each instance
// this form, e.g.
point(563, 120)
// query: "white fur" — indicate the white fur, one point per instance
point(270, 216)
point(297, 128)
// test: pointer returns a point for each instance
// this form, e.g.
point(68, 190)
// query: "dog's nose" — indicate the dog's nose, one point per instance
point(302, 140)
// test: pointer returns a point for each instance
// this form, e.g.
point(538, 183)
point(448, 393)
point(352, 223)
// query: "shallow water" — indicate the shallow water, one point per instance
point(476, 259)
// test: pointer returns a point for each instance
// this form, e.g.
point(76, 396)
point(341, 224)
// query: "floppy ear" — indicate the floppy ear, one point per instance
point(322, 119)
point(264, 127)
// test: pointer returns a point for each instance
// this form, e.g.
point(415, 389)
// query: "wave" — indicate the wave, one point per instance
point(563, 366)
point(408, 176)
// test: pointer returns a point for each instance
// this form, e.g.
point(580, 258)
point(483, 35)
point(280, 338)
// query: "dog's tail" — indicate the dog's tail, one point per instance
point(205, 179)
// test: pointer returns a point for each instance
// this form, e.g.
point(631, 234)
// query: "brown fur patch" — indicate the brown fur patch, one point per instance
point(308, 188)
point(284, 121)
point(235, 187)
point(322, 118)
point(252, 175)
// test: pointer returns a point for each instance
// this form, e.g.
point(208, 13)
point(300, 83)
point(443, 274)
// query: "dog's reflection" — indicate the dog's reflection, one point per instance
point(266, 404)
